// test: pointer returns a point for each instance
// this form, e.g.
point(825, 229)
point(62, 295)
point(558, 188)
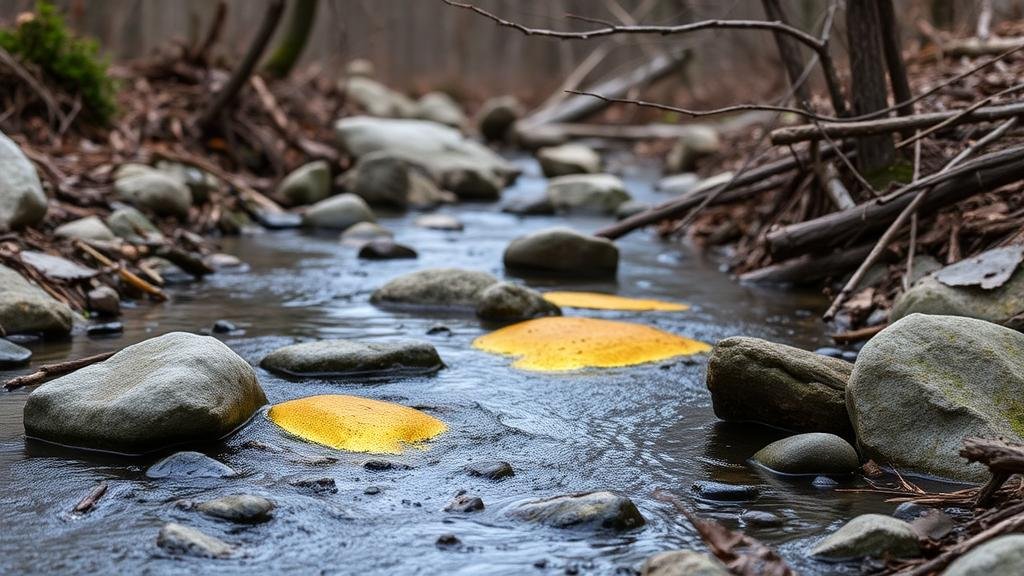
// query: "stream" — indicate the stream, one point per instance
point(634, 430)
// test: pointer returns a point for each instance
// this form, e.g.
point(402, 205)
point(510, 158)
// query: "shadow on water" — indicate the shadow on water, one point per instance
point(635, 430)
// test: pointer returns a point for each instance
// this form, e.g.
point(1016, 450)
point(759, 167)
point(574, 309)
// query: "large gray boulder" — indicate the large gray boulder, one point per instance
point(812, 453)
point(587, 193)
point(451, 288)
point(583, 510)
point(496, 117)
point(155, 192)
point(930, 296)
point(568, 159)
point(925, 383)
point(508, 302)
point(441, 108)
point(22, 201)
point(351, 358)
point(564, 251)
point(25, 307)
point(173, 389)
point(873, 535)
point(683, 563)
point(338, 213)
point(753, 380)
point(1002, 555)
point(88, 228)
point(307, 184)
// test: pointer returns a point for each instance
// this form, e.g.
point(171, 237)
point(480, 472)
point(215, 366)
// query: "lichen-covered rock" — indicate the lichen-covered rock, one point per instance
point(188, 541)
point(435, 288)
point(587, 193)
point(563, 250)
point(929, 296)
point(926, 382)
point(1002, 555)
point(22, 201)
point(873, 535)
point(683, 563)
point(568, 159)
point(155, 192)
point(173, 389)
point(753, 380)
point(26, 308)
point(497, 116)
point(338, 213)
point(507, 302)
point(307, 184)
point(351, 358)
point(88, 228)
point(132, 225)
point(583, 510)
point(812, 453)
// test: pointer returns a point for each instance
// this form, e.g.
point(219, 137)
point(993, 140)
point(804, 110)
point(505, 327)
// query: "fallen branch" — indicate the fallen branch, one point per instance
point(807, 269)
point(85, 505)
point(52, 371)
point(126, 275)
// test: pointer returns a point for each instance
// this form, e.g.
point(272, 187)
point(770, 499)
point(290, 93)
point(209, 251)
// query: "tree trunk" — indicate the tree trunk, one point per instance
point(894, 56)
point(943, 14)
point(867, 68)
point(789, 51)
point(293, 42)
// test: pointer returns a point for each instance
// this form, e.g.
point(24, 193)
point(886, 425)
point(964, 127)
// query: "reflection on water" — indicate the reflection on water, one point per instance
point(635, 430)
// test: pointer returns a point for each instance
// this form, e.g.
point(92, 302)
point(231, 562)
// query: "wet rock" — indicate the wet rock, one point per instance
point(352, 358)
point(380, 178)
point(372, 490)
point(679, 184)
point(435, 288)
point(908, 511)
point(448, 541)
point(925, 383)
point(26, 308)
point(824, 483)
point(224, 327)
point(497, 116)
point(132, 225)
point(317, 485)
point(56, 267)
point(189, 465)
point(812, 453)
point(377, 99)
point(564, 251)
point(278, 220)
point(683, 563)
point(930, 296)
point(363, 232)
point(156, 193)
point(1001, 555)
point(188, 541)
point(386, 250)
point(222, 261)
point(568, 159)
point(439, 222)
point(307, 184)
point(530, 206)
point(441, 108)
point(88, 228)
point(585, 510)
point(12, 355)
point(631, 208)
point(172, 389)
point(506, 302)
point(104, 329)
point(242, 508)
point(338, 212)
point(587, 194)
point(873, 535)
point(759, 518)
point(199, 183)
point(702, 140)
point(754, 380)
point(376, 465)
point(22, 200)
point(496, 470)
point(830, 352)
point(104, 300)
point(465, 503)
point(439, 329)
point(711, 490)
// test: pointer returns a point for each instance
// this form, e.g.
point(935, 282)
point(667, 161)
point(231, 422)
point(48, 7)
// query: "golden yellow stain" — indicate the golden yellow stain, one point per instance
point(598, 301)
point(355, 424)
point(565, 343)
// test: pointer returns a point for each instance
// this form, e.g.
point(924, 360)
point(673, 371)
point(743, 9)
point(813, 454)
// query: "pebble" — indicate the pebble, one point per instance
point(448, 540)
point(179, 539)
point(224, 327)
point(241, 508)
point(189, 465)
point(465, 503)
point(104, 329)
point(386, 250)
point(824, 482)
point(497, 470)
point(830, 352)
point(721, 491)
point(439, 329)
point(371, 490)
point(12, 355)
point(383, 465)
point(760, 518)
point(104, 300)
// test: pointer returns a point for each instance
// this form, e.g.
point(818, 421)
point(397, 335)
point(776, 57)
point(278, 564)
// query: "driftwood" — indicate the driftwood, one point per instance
point(51, 371)
point(1002, 458)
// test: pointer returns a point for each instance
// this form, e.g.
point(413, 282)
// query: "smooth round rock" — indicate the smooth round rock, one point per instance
point(582, 510)
point(189, 465)
point(352, 358)
point(242, 508)
point(871, 535)
point(12, 355)
point(184, 540)
point(711, 490)
point(600, 194)
point(155, 192)
point(563, 251)
point(568, 159)
point(386, 250)
point(445, 222)
point(1002, 555)
point(104, 300)
point(444, 288)
point(506, 302)
point(24, 307)
point(496, 470)
point(363, 232)
point(813, 453)
point(88, 228)
point(338, 212)
point(307, 184)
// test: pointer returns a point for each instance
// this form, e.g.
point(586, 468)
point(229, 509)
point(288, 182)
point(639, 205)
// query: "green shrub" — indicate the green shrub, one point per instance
point(71, 62)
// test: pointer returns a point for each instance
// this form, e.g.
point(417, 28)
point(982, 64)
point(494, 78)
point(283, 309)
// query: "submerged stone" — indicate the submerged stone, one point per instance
point(189, 465)
point(352, 358)
point(712, 490)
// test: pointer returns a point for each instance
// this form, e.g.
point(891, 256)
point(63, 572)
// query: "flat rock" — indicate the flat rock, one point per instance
point(494, 470)
point(568, 159)
point(435, 288)
point(189, 465)
point(439, 222)
point(12, 355)
point(241, 508)
point(711, 490)
point(386, 250)
point(507, 302)
point(25, 307)
point(683, 563)
point(587, 194)
point(88, 228)
point(352, 358)
point(465, 503)
point(753, 380)
point(926, 382)
point(338, 213)
point(22, 200)
point(812, 453)
point(307, 184)
point(173, 389)
point(188, 541)
point(583, 510)
point(563, 251)
point(869, 535)
point(56, 267)
point(1002, 555)
point(155, 192)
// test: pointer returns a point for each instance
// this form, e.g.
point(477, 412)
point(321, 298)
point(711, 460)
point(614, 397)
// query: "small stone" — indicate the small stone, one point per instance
point(530, 206)
point(497, 470)
point(318, 485)
point(278, 220)
point(683, 563)
point(711, 490)
point(465, 503)
point(179, 539)
point(104, 329)
point(104, 300)
point(568, 159)
point(435, 288)
point(24, 307)
point(386, 250)
point(824, 483)
point(88, 228)
point(155, 192)
point(439, 329)
point(587, 193)
point(363, 232)
point(873, 535)
point(243, 508)
point(12, 355)
point(448, 540)
point(189, 465)
point(497, 116)
point(224, 327)
point(563, 251)
point(811, 453)
point(909, 511)
point(601, 509)
point(830, 352)
point(760, 518)
point(222, 261)
point(338, 212)
point(371, 490)
point(439, 222)
point(307, 184)
point(507, 302)
point(384, 465)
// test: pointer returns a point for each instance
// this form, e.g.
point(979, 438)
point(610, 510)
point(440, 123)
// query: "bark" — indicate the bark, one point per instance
point(808, 269)
point(789, 51)
point(893, 47)
point(293, 42)
point(868, 75)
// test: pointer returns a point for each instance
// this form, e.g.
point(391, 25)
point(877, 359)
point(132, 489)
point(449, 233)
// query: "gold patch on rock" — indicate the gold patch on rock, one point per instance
point(355, 424)
point(565, 343)
point(598, 301)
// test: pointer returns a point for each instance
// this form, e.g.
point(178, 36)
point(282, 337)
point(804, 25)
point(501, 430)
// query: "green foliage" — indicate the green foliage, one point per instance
point(71, 62)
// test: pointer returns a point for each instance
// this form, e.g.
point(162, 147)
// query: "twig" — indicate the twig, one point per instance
point(86, 504)
point(954, 119)
point(51, 371)
point(126, 275)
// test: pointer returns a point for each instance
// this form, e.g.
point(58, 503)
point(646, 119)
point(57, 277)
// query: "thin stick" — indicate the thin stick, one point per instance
point(52, 371)
point(954, 119)
point(909, 273)
point(85, 505)
point(127, 275)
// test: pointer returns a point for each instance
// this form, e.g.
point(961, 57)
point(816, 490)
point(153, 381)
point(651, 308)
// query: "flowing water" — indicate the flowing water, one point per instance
point(634, 430)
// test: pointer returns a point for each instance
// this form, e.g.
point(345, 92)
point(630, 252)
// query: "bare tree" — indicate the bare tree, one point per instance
point(867, 71)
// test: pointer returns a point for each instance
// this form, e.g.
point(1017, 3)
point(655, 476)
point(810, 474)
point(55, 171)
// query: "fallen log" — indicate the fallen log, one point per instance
point(807, 269)
point(814, 132)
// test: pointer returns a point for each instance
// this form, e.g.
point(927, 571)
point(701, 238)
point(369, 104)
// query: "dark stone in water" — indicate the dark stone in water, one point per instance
point(760, 518)
point(224, 327)
point(12, 355)
point(849, 356)
point(241, 508)
point(279, 220)
point(439, 329)
point(824, 482)
point(25, 338)
point(496, 470)
point(189, 465)
point(448, 540)
point(711, 490)
point(830, 352)
point(384, 465)
point(371, 490)
point(465, 503)
point(386, 250)
point(320, 485)
point(105, 329)
point(910, 511)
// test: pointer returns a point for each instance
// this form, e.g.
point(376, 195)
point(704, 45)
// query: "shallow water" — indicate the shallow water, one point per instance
point(635, 430)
